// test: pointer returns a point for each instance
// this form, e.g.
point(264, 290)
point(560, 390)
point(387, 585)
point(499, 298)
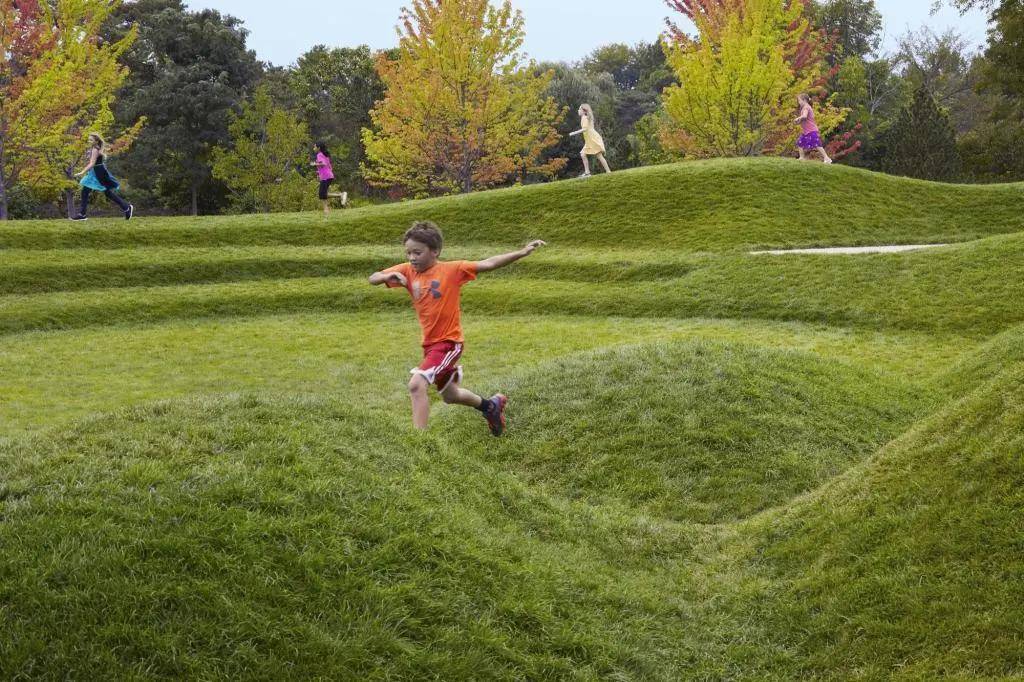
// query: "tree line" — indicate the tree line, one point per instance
point(200, 125)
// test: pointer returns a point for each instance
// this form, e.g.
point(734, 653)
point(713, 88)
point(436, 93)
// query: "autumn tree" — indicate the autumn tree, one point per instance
point(65, 93)
point(739, 78)
point(24, 37)
point(460, 111)
point(261, 167)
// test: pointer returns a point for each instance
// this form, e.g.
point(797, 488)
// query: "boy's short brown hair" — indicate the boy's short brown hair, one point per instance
point(425, 232)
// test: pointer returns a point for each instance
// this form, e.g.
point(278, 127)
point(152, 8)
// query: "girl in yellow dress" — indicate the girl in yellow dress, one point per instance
point(592, 142)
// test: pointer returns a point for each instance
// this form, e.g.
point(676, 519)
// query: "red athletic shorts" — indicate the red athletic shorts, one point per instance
point(440, 364)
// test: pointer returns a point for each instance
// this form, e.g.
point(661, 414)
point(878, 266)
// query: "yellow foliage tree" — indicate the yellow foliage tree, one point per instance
point(67, 94)
point(460, 111)
point(738, 80)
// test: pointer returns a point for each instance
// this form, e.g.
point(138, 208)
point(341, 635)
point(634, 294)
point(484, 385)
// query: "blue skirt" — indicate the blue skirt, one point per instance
point(99, 181)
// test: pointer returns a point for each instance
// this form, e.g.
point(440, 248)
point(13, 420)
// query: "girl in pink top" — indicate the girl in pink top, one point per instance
point(810, 138)
point(325, 172)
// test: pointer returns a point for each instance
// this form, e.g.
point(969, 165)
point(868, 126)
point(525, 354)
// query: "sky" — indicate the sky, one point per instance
point(556, 30)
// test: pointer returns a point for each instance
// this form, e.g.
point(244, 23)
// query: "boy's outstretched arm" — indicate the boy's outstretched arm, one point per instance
point(495, 262)
point(390, 278)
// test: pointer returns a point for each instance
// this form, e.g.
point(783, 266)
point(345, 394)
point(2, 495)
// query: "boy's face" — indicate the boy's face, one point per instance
point(420, 256)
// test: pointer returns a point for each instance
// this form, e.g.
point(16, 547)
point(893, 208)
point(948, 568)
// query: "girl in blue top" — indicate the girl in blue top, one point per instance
point(96, 178)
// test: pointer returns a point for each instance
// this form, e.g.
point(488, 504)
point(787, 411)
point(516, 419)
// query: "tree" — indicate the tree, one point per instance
point(738, 80)
point(189, 70)
point(570, 87)
point(459, 111)
point(66, 92)
point(335, 89)
point(261, 167)
point(24, 37)
point(640, 74)
point(946, 66)
point(922, 143)
point(856, 25)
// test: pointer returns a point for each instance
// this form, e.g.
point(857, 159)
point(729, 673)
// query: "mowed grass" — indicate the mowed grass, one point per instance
point(719, 465)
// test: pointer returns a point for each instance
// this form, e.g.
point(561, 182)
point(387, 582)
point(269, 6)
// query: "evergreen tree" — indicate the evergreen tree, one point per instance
point(922, 142)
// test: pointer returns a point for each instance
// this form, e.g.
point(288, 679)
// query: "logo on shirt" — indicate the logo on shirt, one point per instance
point(435, 288)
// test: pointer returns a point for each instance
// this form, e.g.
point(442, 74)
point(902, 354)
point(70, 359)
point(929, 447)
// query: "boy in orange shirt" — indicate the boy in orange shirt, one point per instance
point(435, 287)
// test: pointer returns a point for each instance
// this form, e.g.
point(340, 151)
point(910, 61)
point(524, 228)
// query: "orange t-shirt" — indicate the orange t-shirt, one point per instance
point(435, 296)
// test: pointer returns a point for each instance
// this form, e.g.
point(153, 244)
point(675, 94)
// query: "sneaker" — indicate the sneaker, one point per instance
point(130, 212)
point(79, 217)
point(496, 414)
point(584, 175)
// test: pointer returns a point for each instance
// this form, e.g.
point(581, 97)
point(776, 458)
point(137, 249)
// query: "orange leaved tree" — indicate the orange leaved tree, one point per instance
point(460, 111)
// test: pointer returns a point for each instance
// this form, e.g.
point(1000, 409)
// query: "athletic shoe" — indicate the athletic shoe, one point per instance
point(130, 212)
point(79, 217)
point(496, 414)
point(584, 175)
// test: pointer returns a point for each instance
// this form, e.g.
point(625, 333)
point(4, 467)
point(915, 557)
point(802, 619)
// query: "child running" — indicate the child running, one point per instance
point(325, 171)
point(810, 139)
point(96, 178)
point(435, 286)
point(593, 144)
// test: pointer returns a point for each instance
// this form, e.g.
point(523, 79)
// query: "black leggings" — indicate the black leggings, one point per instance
point(109, 193)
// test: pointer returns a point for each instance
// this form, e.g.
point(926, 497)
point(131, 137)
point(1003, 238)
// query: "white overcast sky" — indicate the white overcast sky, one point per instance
point(556, 30)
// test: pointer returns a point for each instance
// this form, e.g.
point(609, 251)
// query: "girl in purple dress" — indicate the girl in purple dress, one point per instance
point(810, 138)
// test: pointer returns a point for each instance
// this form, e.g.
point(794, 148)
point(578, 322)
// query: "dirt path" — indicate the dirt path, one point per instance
point(853, 249)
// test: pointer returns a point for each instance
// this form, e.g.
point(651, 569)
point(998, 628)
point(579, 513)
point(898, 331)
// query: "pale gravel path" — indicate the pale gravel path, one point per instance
point(853, 249)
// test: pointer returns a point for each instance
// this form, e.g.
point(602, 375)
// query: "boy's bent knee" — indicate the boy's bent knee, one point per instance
point(418, 384)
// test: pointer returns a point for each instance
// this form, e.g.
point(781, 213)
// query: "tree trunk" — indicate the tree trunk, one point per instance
point(69, 199)
point(195, 201)
point(3, 185)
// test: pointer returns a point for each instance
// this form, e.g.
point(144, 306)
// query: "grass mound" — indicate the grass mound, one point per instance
point(667, 429)
point(257, 538)
point(912, 563)
point(696, 206)
point(751, 495)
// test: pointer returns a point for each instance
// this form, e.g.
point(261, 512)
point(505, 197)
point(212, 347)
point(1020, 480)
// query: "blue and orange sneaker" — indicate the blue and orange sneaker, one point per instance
point(496, 414)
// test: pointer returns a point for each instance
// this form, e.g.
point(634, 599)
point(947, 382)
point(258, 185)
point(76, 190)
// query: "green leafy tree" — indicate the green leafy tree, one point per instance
point(922, 142)
point(570, 87)
point(856, 24)
point(738, 80)
point(335, 89)
point(71, 87)
point(460, 111)
point(261, 167)
point(189, 71)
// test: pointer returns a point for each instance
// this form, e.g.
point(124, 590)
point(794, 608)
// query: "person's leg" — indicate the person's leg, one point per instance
point(803, 154)
point(824, 155)
point(117, 199)
point(327, 206)
point(493, 408)
point(586, 163)
point(84, 207)
point(454, 394)
point(600, 157)
point(418, 386)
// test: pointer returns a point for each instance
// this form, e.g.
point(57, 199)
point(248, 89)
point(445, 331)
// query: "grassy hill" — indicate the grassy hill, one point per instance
point(719, 466)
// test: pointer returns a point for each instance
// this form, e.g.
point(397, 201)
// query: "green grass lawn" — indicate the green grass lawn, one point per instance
point(719, 465)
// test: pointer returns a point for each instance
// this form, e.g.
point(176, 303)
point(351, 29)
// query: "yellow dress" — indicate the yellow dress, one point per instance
point(592, 142)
